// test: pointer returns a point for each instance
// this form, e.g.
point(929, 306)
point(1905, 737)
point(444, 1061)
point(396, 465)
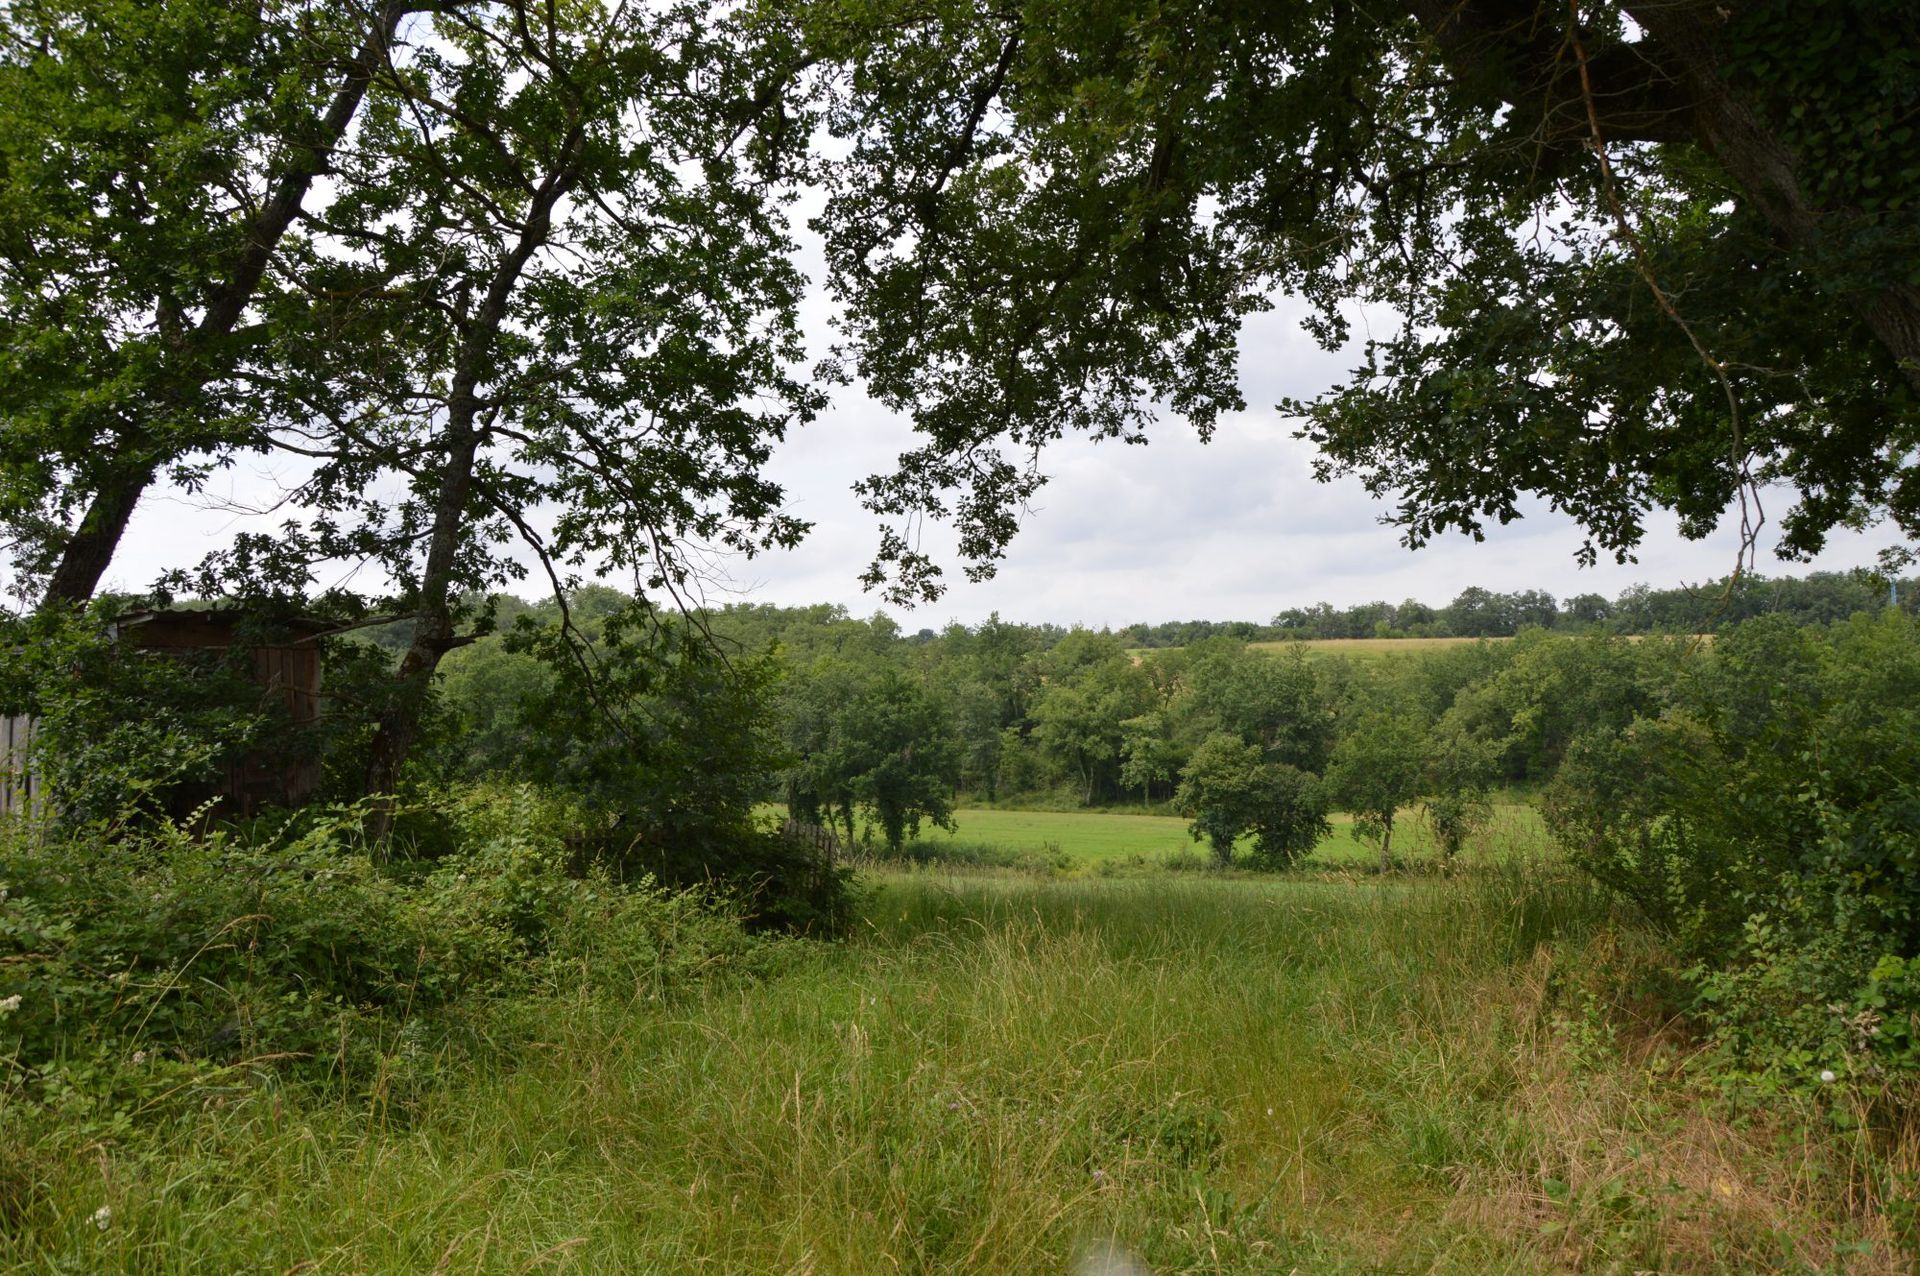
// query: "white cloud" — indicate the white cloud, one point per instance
point(1176, 529)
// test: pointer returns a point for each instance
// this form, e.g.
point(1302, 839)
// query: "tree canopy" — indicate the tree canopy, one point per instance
point(1643, 256)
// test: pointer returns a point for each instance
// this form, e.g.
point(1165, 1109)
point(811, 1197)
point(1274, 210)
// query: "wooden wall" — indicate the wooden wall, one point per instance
point(19, 792)
point(293, 671)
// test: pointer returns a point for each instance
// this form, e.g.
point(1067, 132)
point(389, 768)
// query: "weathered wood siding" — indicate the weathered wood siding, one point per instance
point(19, 790)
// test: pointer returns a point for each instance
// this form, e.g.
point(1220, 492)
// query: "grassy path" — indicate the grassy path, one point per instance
point(1011, 1076)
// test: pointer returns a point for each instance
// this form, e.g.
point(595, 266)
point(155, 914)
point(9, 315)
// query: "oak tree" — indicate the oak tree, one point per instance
point(1642, 255)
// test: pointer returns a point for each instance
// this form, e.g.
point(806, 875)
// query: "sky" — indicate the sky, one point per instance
point(1232, 529)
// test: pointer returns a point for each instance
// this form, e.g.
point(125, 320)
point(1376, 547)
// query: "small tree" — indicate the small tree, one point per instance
point(1229, 788)
point(1377, 768)
point(1150, 755)
point(906, 756)
point(1293, 818)
point(869, 737)
point(1459, 770)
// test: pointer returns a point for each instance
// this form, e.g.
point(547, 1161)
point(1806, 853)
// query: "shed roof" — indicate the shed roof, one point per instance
point(215, 625)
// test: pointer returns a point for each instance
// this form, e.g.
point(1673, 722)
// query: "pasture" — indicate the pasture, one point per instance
point(1369, 648)
point(1088, 840)
point(1176, 1075)
point(1358, 648)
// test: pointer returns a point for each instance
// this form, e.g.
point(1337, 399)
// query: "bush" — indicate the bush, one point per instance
point(291, 947)
point(1769, 821)
point(122, 733)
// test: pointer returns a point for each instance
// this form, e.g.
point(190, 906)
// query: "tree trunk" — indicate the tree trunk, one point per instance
point(433, 634)
point(398, 726)
point(89, 551)
point(1386, 845)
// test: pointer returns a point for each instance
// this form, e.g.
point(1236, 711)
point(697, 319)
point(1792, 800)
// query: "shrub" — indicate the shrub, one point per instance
point(290, 946)
point(1769, 821)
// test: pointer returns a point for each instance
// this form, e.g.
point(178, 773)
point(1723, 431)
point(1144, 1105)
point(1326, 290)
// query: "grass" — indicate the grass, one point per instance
point(1369, 648)
point(1387, 648)
point(1008, 1075)
point(1088, 840)
point(1362, 648)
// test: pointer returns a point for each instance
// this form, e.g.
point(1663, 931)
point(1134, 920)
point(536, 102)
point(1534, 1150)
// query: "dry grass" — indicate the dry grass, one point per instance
point(1639, 1151)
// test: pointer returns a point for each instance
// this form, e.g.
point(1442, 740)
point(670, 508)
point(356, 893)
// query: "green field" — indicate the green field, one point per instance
point(1003, 1075)
point(1379, 648)
point(1360, 648)
point(1370, 648)
point(1090, 839)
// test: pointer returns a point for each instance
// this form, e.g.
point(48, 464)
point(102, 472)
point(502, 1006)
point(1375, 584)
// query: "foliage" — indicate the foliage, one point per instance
point(1549, 691)
point(1456, 785)
point(1377, 768)
point(1816, 597)
point(1274, 701)
point(125, 734)
point(1231, 788)
point(877, 741)
point(1091, 690)
point(140, 961)
point(1770, 822)
point(1052, 216)
point(659, 745)
point(153, 160)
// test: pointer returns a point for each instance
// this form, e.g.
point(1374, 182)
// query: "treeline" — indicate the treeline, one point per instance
point(896, 727)
point(1817, 598)
point(1753, 796)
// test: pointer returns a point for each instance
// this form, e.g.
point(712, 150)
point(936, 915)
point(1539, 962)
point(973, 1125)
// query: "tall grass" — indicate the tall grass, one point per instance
point(1007, 1075)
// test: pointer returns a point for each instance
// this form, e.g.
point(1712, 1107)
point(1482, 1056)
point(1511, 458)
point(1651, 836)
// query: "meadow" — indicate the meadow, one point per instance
point(1175, 1074)
point(1360, 648)
point(1370, 648)
point(1089, 841)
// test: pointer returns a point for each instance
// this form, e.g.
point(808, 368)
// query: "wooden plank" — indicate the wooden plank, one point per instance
point(19, 794)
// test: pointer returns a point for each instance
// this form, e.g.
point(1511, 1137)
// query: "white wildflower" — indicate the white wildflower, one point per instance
point(9, 1004)
point(1827, 1075)
point(139, 1057)
point(103, 1217)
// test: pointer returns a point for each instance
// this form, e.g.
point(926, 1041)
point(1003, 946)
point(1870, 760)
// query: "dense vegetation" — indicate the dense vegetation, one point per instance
point(527, 933)
point(1483, 613)
point(1202, 1075)
point(1751, 796)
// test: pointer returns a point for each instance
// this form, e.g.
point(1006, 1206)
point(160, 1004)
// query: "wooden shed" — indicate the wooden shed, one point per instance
point(284, 654)
point(19, 792)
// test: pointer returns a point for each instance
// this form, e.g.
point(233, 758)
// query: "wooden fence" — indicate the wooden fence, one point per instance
point(821, 839)
point(19, 789)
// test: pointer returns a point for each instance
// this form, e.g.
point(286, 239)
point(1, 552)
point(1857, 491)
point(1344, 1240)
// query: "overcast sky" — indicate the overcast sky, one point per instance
point(1235, 529)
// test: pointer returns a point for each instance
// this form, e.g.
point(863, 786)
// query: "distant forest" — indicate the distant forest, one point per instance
point(1817, 598)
